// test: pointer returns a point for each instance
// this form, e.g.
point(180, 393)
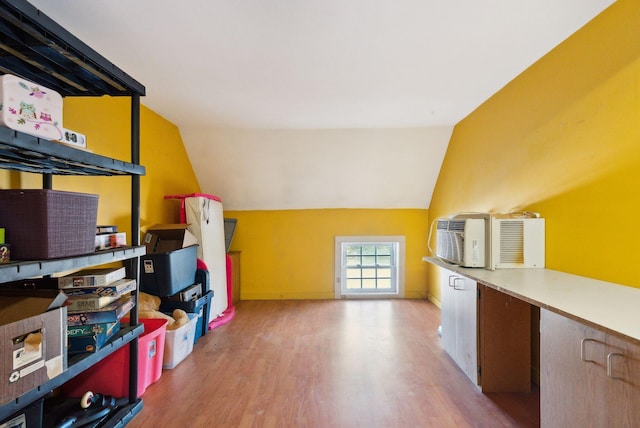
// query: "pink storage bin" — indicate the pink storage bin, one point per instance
point(111, 375)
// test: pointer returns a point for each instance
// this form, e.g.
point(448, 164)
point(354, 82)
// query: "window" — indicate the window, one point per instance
point(369, 266)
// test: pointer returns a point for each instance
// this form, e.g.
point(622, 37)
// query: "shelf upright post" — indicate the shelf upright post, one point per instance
point(47, 181)
point(135, 240)
point(135, 159)
point(47, 184)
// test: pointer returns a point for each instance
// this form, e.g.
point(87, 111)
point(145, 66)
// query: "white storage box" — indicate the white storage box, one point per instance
point(30, 108)
point(178, 343)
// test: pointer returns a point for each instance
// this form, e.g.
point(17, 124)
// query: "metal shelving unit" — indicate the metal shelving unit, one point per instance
point(33, 268)
point(36, 48)
point(22, 152)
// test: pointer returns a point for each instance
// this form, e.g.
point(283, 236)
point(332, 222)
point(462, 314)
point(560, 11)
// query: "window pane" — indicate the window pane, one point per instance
point(384, 273)
point(384, 283)
point(369, 250)
point(353, 284)
point(384, 250)
point(353, 261)
point(368, 260)
point(354, 273)
point(353, 250)
point(369, 273)
point(384, 260)
point(369, 283)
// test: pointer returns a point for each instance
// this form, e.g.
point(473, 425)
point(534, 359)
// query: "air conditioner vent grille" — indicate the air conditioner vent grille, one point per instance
point(457, 225)
point(450, 245)
point(511, 242)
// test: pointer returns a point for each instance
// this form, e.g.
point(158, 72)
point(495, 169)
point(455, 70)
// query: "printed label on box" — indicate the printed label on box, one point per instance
point(27, 349)
point(152, 349)
point(32, 368)
point(148, 266)
point(18, 421)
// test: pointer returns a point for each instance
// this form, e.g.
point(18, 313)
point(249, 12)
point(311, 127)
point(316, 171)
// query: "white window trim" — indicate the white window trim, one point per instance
point(339, 240)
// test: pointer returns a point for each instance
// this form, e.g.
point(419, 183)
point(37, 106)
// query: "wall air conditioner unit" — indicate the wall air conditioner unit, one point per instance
point(492, 241)
point(516, 242)
point(461, 241)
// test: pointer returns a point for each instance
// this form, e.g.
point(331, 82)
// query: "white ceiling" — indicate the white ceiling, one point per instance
point(216, 67)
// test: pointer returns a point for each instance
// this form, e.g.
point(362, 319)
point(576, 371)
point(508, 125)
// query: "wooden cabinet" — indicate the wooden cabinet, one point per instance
point(459, 306)
point(622, 386)
point(589, 341)
point(588, 377)
point(234, 257)
point(487, 333)
point(505, 342)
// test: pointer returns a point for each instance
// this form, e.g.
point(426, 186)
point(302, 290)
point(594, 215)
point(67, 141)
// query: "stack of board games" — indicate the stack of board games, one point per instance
point(96, 301)
point(108, 237)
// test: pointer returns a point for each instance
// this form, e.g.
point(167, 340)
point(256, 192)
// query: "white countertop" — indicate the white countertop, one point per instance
point(611, 307)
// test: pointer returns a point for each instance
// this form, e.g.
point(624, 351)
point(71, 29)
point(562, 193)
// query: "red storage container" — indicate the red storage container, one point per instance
point(111, 375)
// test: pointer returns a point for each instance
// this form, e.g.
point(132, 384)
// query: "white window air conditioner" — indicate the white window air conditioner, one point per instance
point(492, 241)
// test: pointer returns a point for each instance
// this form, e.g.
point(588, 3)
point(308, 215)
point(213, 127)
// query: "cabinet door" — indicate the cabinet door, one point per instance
point(504, 342)
point(458, 305)
point(448, 312)
point(466, 294)
point(622, 390)
point(571, 373)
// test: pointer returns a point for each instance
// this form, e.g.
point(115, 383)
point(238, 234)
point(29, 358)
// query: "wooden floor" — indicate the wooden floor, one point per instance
point(327, 364)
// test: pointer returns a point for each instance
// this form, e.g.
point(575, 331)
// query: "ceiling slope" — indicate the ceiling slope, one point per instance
point(323, 86)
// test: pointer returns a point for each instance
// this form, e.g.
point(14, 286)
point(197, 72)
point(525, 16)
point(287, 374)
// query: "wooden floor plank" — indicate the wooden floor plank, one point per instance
point(327, 364)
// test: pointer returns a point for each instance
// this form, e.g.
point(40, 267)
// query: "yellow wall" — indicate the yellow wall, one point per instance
point(290, 254)
point(106, 123)
point(563, 139)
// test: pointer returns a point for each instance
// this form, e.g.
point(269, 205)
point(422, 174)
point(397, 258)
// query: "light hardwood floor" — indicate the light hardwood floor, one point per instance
point(327, 364)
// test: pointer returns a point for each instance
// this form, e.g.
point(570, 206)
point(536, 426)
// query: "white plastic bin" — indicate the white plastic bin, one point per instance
point(178, 343)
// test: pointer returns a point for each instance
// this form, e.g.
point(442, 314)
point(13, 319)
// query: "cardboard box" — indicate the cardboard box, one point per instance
point(33, 331)
point(168, 237)
point(111, 240)
point(110, 313)
point(30, 108)
point(80, 341)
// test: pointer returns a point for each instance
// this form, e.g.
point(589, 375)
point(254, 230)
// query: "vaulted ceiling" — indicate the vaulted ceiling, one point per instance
point(320, 103)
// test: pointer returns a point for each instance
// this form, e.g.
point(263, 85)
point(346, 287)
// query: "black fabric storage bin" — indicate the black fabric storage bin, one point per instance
point(165, 274)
